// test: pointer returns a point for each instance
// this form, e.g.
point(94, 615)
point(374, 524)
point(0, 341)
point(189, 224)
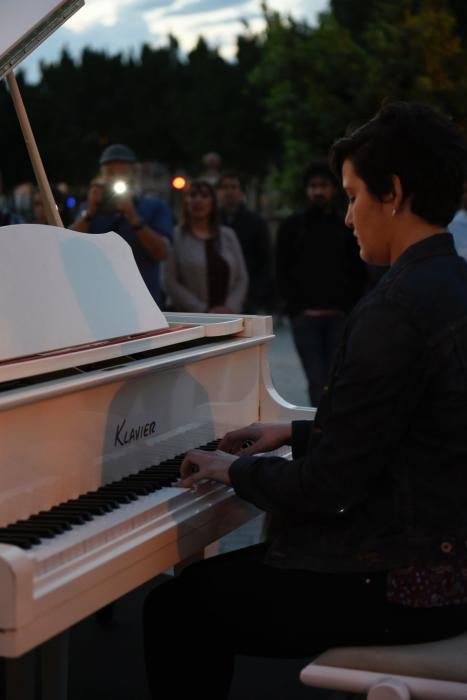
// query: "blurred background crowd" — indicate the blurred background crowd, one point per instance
point(215, 171)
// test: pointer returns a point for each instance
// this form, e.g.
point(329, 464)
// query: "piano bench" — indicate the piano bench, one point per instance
point(431, 671)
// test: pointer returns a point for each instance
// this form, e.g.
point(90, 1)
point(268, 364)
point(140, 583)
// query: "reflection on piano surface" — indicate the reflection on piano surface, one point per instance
point(92, 431)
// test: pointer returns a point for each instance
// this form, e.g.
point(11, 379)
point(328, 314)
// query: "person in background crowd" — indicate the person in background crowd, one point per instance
point(320, 275)
point(205, 270)
point(212, 163)
point(373, 505)
point(252, 232)
point(20, 204)
point(7, 217)
point(458, 226)
point(144, 222)
point(39, 215)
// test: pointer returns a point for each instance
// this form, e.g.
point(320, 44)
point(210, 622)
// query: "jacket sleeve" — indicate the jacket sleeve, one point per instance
point(301, 434)
point(370, 402)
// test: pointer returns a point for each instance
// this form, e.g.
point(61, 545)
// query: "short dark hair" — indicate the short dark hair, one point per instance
point(231, 175)
point(418, 144)
point(319, 168)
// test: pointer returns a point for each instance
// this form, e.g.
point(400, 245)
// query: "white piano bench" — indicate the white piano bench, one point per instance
point(431, 671)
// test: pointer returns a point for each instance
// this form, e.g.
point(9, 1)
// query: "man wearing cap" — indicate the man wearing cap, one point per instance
point(144, 222)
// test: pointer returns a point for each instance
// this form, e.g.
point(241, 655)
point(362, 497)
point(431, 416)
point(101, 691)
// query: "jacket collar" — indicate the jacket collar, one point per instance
point(440, 244)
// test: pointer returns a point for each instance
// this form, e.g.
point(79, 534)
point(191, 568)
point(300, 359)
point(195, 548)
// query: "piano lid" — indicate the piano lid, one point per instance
point(23, 28)
point(60, 288)
point(69, 299)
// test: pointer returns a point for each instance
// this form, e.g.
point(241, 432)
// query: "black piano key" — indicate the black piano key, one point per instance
point(134, 481)
point(129, 490)
point(167, 471)
point(53, 518)
point(38, 528)
point(167, 467)
point(53, 526)
point(71, 514)
point(91, 508)
point(43, 533)
point(120, 495)
point(23, 541)
point(94, 499)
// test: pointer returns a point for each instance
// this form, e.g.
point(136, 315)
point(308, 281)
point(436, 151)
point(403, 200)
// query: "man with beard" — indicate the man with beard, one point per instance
point(320, 275)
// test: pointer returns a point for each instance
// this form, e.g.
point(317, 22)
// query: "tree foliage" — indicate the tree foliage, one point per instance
point(292, 89)
point(322, 79)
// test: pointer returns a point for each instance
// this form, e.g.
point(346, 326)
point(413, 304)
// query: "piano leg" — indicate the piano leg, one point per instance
point(53, 665)
point(41, 674)
point(105, 615)
point(20, 677)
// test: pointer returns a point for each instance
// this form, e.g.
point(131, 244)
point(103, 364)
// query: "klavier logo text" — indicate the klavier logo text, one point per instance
point(125, 435)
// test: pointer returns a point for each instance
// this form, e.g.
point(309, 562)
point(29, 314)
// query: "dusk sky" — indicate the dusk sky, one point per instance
point(123, 25)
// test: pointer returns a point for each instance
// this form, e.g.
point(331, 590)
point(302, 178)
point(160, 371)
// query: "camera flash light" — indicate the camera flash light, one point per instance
point(119, 187)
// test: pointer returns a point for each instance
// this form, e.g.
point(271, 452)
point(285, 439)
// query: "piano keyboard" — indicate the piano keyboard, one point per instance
point(45, 527)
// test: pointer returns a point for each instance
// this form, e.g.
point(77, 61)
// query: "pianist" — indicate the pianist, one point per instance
point(372, 546)
point(144, 222)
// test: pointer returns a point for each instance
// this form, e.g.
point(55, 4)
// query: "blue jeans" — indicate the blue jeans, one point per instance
point(316, 339)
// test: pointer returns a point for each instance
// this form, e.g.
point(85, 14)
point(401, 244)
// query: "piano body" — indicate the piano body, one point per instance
point(99, 388)
point(100, 397)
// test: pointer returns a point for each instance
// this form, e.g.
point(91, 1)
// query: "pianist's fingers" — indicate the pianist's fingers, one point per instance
point(256, 438)
point(236, 441)
point(199, 465)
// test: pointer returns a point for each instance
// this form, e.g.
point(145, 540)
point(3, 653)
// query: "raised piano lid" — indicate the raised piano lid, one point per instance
point(23, 26)
point(69, 299)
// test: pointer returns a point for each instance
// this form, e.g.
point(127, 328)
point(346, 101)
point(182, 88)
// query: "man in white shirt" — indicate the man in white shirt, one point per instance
point(458, 226)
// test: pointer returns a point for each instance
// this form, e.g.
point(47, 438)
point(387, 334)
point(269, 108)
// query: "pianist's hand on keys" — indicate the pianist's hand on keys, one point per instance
point(257, 437)
point(199, 465)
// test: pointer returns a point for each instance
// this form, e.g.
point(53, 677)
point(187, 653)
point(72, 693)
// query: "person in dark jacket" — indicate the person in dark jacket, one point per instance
point(253, 234)
point(320, 275)
point(372, 547)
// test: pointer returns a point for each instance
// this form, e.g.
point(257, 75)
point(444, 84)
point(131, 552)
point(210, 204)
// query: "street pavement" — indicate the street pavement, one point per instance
point(287, 373)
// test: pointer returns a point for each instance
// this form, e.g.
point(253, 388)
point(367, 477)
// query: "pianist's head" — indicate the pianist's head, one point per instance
point(403, 172)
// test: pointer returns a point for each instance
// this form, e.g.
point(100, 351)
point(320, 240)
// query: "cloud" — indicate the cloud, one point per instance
point(205, 6)
point(229, 21)
point(123, 37)
point(144, 5)
point(116, 26)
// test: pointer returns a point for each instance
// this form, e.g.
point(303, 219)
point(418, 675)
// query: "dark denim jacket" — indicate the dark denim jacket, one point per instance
point(381, 479)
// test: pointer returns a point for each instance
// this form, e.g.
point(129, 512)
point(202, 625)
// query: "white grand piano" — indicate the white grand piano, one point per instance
point(100, 395)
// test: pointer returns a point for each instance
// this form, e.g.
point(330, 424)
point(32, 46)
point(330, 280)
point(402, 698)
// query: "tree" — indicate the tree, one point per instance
point(322, 79)
point(312, 75)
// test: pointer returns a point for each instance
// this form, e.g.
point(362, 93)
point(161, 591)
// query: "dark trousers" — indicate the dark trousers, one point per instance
point(234, 604)
point(316, 339)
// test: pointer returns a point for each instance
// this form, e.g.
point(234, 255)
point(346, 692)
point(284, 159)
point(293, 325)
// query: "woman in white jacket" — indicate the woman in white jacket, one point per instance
point(205, 270)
